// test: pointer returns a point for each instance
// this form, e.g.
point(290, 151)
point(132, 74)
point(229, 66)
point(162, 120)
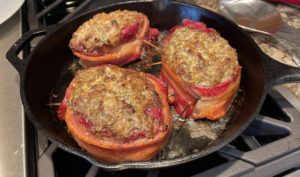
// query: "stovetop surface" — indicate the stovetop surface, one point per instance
point(270, 145)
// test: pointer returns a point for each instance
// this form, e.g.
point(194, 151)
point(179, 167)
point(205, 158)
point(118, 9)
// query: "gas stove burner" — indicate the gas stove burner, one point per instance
point(51, 11)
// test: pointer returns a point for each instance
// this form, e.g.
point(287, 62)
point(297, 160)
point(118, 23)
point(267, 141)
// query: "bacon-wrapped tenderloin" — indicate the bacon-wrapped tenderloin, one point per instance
point(200, 69)
point(112, 38)
point(117, 114)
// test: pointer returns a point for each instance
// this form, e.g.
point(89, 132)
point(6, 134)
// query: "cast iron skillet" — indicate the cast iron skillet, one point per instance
point(40, 71)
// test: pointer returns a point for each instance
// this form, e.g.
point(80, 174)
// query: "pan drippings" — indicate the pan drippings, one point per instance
point(190, 136)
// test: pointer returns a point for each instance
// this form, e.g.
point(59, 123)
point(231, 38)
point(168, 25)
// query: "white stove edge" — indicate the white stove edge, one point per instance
point(12, 148)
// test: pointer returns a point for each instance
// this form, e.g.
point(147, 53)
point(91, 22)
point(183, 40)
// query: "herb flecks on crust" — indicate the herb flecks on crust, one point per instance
point(116, 103)
point(104, 31)
point(200, 58)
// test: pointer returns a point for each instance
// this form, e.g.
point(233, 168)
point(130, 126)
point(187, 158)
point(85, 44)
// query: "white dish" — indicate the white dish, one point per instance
point(8, 8)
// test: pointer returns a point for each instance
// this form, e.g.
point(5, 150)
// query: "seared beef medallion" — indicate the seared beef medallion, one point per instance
point(111, 38)
point(117, 114)
point(201, 70)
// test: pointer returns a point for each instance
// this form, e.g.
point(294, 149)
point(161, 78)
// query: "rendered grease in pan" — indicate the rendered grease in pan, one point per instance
point(190, 136)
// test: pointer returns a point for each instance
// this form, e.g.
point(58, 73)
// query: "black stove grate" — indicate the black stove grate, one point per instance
point(269, 146)
point(266, 148)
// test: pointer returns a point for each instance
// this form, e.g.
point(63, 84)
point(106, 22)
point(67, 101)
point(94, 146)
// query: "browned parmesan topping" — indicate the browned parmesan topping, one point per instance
point(200, 58)
point(103, 31)
point(115, 102)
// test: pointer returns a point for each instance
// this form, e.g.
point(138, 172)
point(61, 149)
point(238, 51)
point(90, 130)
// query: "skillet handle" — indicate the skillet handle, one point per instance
point(12, 54)
point(278, 73)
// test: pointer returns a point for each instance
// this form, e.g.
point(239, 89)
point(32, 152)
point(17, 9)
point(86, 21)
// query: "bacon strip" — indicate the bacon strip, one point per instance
point(129, 32)
point(182, 101)
point(196, 25)
point(215, 106)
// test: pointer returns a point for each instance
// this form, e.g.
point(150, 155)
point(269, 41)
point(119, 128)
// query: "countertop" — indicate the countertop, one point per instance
point(11, 113)
point(276, 48)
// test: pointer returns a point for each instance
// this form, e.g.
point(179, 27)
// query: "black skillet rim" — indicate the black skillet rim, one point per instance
point(141, 164)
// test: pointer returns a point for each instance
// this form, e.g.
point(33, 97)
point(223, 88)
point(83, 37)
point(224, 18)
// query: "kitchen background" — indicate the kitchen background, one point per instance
point(18, 137)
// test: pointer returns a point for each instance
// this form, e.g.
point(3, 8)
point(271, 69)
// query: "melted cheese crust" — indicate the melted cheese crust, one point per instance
point(200, 58)
point(103, 31)
point(115, 100)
